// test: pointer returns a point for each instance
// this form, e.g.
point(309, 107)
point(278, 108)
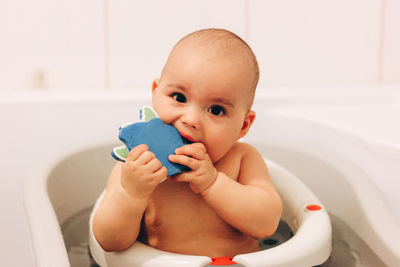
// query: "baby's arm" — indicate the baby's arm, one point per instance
point(116, 224)
point(250, 204)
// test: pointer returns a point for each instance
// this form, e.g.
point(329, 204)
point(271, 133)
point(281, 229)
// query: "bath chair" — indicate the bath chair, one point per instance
point(310, 245)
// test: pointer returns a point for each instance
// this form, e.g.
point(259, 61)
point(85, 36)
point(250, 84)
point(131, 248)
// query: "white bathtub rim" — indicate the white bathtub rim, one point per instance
point(370, 198)
point(43, 227)
point(287, 94)
point(36, 198)
point(380, 146)
point(365, 142)
point(383, 150)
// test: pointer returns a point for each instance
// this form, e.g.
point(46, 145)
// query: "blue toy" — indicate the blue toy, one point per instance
point(162, 140)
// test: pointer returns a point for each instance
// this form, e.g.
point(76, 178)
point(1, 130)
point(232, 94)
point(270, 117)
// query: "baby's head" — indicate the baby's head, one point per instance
point(218, 46)
point(207, 88)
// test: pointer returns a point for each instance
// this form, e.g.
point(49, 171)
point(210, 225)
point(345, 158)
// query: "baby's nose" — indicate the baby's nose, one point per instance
point(192, 118)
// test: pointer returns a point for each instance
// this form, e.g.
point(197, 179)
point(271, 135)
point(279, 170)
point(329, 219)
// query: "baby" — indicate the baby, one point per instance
point(226, 201)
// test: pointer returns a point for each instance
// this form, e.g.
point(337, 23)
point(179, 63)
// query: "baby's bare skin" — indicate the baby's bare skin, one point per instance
point(179, 221)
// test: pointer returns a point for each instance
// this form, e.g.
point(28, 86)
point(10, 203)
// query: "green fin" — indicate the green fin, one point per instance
point(121, 152)
point(147, 114)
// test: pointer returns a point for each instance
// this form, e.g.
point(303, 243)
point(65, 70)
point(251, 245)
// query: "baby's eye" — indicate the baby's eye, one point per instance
point(217, 110)
point(179, 97)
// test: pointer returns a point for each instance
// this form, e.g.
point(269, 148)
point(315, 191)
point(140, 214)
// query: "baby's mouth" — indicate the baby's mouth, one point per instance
point(187, 139)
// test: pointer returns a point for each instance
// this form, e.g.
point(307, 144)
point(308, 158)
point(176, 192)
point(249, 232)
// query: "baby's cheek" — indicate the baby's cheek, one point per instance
point(215, 154)
point(219, 147)
point(164, 115)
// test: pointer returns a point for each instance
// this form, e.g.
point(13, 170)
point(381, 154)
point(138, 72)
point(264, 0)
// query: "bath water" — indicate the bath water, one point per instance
point(348, 248)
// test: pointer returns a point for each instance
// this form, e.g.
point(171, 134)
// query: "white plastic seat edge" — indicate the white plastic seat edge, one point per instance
point(312, 241)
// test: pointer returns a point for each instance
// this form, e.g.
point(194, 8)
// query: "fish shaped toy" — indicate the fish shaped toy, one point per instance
point(162, 139)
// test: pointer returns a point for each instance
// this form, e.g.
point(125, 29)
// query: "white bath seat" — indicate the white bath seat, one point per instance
point(311, 244)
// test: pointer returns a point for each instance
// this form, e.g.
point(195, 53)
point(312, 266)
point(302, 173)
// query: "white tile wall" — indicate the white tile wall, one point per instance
point(124, 43)
point(48, 43)
point(391, 42)
point(316, 41)
point(142, 33)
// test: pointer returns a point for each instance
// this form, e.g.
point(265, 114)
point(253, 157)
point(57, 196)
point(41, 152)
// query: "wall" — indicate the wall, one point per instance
point(72, 44)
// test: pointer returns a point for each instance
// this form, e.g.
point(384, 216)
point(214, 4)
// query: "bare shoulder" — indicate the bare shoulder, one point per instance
point(237, 153)
point(246, 150)
point(253, 169)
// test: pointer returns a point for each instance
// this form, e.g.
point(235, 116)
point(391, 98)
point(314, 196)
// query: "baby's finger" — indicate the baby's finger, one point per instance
point(201, 146)
point(145, 157)
point(184, 160)
point(161, 174)
point(136, 152)
point(154, 165)
point(183, 177)
point(195, 150)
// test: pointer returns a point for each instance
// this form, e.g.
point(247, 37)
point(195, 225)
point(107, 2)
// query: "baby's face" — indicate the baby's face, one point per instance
point(205, 96)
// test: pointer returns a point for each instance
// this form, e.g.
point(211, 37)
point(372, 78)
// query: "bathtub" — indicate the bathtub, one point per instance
point(343, 143)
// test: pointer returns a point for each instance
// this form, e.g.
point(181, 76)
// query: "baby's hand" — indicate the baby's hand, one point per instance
point(202, 174)
point(142, 172)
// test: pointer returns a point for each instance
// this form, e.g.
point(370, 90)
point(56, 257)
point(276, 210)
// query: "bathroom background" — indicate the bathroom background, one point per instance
point(107, 45)
point(82, 45)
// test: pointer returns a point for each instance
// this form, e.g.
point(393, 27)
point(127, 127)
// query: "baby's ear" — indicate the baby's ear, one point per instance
point(247, 122)
point(155, 84)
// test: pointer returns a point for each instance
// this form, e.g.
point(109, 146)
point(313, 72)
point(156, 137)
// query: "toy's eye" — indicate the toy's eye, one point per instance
point(217, 110)
point(179, 97)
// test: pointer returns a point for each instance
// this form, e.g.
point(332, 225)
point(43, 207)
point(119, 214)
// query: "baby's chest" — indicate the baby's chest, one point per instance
point(175, 209)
